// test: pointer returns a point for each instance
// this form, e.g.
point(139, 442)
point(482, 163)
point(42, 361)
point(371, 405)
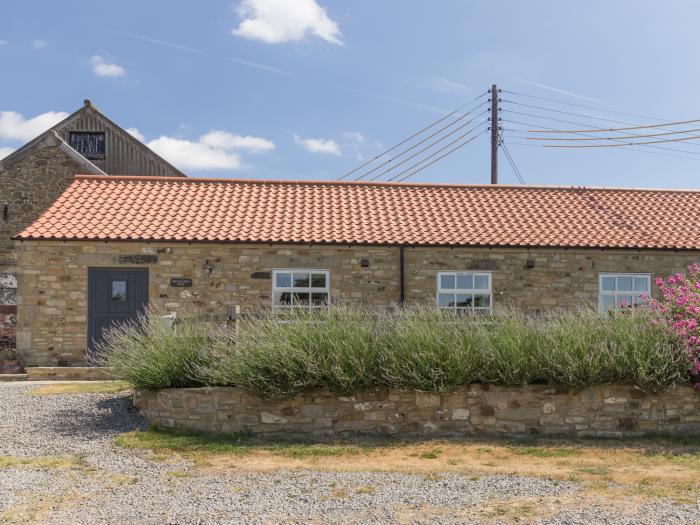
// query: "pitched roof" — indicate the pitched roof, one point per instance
point(212, 210)
point(50, 139)
point(88, 115)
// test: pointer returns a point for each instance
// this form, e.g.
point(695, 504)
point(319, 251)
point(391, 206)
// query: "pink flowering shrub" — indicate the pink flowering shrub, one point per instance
point(680, 310)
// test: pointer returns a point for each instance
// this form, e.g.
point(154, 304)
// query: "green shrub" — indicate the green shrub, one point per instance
point(282, 355)
point(348, 349)
point(510, 350)
point(428, 349)
point(152, 352)
point(630, 346)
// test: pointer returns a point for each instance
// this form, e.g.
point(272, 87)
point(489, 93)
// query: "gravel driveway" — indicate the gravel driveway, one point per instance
point(114, 485)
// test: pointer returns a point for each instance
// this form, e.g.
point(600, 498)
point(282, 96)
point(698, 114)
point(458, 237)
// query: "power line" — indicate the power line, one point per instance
point(556, 101)
point(618, 145)
point(684, 132)
point(627, 149)
point(462, 126)
point(603, 119)
point(584, 133)
point(592, 129)
point(510, 160)
point(461, 137)
point(433, 124)
point(440, 157)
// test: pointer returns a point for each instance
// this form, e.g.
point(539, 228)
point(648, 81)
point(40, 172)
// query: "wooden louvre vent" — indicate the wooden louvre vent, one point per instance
point(90, 144)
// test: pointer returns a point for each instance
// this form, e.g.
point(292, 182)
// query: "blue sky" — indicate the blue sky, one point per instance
point(309, 89)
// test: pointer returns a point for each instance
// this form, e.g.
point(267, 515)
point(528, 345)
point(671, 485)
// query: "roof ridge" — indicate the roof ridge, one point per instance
point(146, 178)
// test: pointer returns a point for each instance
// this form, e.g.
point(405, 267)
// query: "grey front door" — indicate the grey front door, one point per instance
point(114, 295)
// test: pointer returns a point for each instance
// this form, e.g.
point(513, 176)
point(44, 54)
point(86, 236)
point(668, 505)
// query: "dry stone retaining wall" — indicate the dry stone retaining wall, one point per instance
point(601, 411)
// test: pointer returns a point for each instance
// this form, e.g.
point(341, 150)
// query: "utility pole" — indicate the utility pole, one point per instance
point(494, 134)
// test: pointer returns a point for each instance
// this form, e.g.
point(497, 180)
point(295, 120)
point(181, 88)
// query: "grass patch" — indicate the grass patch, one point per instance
point(540, 452)
point(75, 462)
point(430, 454)
point(648, 468)
point(92, 387)
point(162, 441)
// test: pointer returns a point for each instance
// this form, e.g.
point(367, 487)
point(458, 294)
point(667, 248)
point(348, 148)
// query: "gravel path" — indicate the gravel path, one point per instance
point(112, 485)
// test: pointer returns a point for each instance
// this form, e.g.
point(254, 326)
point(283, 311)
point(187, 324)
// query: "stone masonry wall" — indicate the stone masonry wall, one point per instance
point(52, 280)
point(560, 279)
point(601, 411)
point(27, 188)
point(53, 308)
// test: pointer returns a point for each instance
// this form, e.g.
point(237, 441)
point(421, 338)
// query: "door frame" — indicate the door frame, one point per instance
point(91, 289)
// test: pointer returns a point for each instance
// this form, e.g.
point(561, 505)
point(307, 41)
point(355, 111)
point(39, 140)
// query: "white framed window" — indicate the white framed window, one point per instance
point(300, 288)
point(465, 291)
point(622, 289)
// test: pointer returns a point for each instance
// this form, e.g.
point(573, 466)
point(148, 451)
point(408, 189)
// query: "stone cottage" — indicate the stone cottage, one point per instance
point(108, 246)
point(32, 178)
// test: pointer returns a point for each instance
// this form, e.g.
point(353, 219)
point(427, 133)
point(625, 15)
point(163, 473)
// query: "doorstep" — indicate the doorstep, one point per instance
point(13, 377)
point(67, 373)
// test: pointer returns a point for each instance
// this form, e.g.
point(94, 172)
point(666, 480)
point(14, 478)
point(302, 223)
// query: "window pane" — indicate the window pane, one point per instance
point(118, 291)
point(608, 284)
point(300, 299)
point(624, 300)
point(282, 299)
point(446, 299)
point(465, 281)
point(319, 299)
point(641, 284)
point(482, 300)
point(464, 300)
point(447, 282)
point(607, 301)
point(481, 282)
point(301, 280)
point(283, 280)
point(624, 284)
point(318, 280)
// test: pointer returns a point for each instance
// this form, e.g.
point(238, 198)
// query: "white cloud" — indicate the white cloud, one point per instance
point(194, 155)
point(3, 43)
point(278, 21)
point(38, 43)
point(445, 85)
point(215, 150)
point(354, 136)
point(226, 140)
point(104, 69)
point(134, 132)
point(324, 146)
point(4, 152)
point(13, 126)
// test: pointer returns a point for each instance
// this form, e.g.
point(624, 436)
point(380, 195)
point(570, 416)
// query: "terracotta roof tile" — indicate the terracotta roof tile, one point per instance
point(158, 208)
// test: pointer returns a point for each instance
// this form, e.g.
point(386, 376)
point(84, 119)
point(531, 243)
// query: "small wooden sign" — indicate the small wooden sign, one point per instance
point(180, 282)
point(138, 259)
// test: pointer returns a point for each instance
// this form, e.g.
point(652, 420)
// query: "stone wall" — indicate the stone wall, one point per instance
point(601, 411)
point(53, 308)
point(52, 280)
point(559, 279)
point(27, 188)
